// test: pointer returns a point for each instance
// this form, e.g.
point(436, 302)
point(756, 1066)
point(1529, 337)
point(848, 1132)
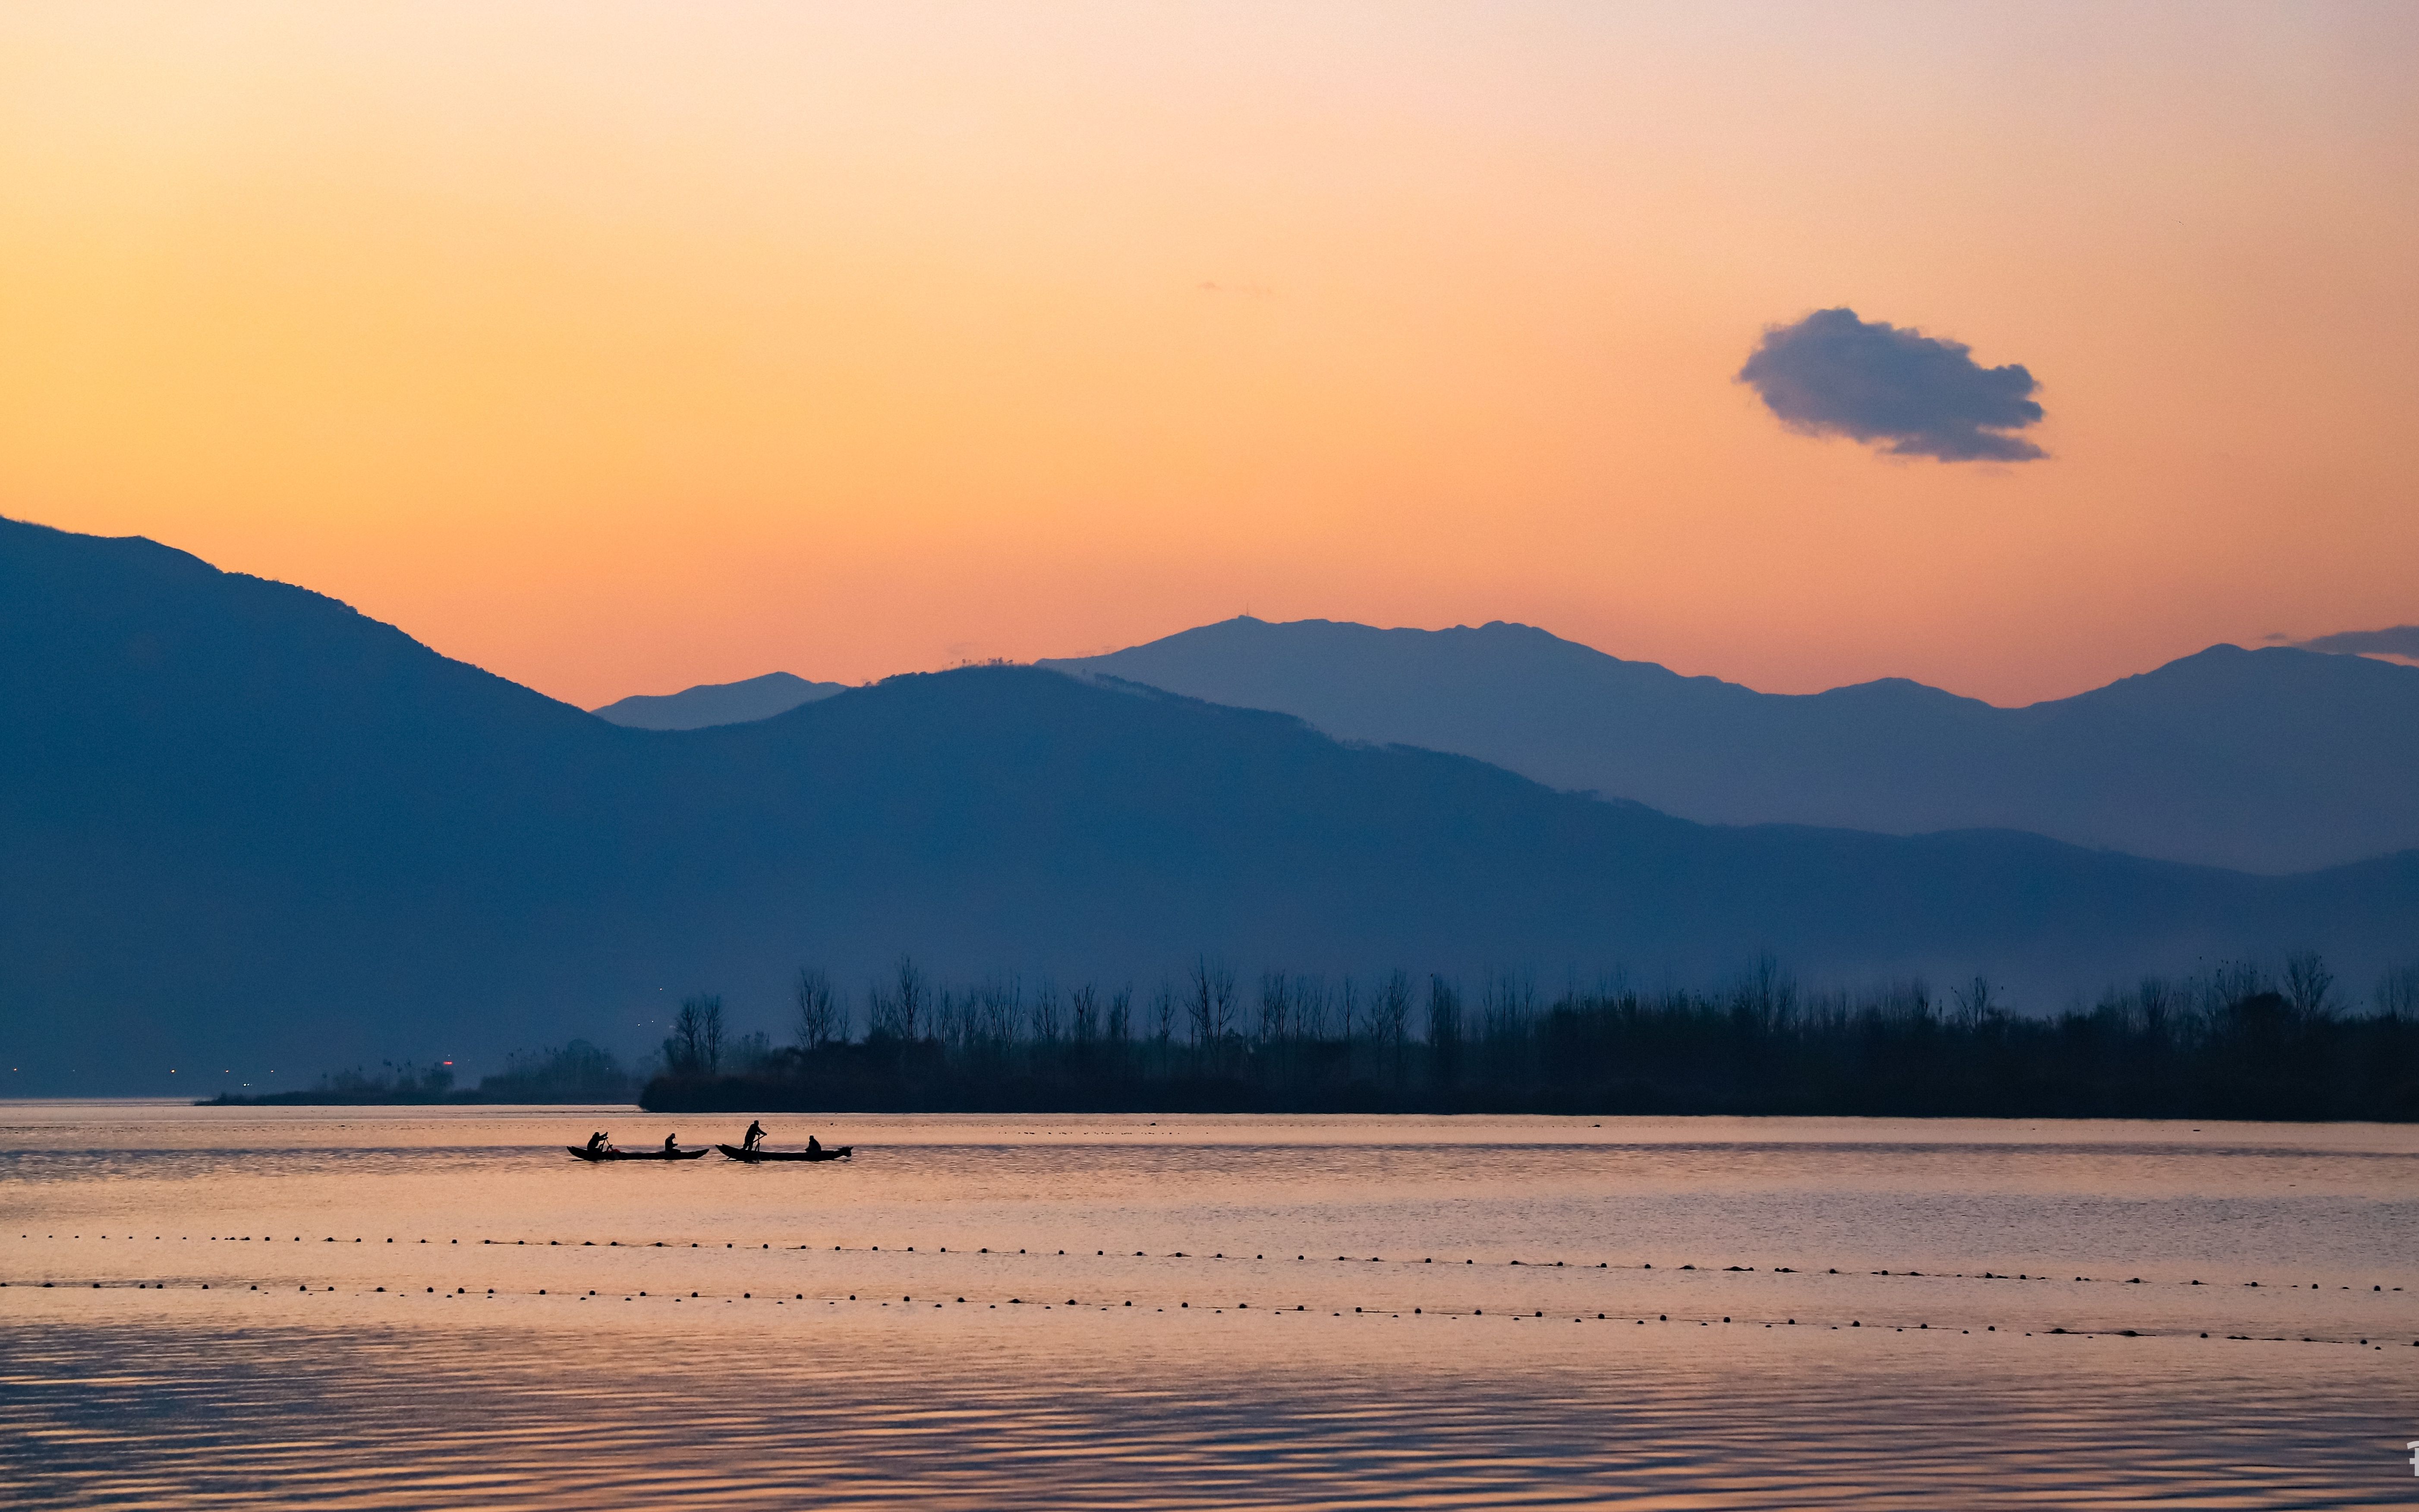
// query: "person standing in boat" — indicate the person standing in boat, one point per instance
point(755, 1136)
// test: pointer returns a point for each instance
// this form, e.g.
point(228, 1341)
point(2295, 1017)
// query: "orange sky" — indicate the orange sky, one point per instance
point(621, 347)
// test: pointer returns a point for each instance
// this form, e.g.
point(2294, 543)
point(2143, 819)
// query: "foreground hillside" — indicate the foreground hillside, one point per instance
point(2274, 761)
point(244, 827)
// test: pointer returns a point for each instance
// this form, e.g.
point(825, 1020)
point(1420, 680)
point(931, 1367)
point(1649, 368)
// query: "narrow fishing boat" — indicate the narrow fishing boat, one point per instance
point(601, 1155)
point(756, 1157)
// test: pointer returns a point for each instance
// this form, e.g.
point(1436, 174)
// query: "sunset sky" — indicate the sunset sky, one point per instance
point(621, 347)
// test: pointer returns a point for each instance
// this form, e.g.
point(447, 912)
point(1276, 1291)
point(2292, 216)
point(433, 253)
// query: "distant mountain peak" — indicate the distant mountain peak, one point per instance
point(718, 703)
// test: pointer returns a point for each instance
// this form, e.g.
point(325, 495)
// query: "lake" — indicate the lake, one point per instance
point(418, 1308)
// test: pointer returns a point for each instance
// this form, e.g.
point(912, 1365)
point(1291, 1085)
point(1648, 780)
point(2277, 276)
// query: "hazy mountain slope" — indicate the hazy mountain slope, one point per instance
point(236, 807)
point(712, 703)
point(243, 827)
point(2275, 760)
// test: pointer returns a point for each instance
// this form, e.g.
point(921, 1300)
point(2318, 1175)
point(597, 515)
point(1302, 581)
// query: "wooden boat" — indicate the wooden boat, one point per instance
point(600, 1155)
point(755, 1157)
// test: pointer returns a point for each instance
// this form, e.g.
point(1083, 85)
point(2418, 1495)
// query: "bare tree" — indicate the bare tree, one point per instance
point(695, 1045)
point(1221, 1002)
point(911, 991)
point(1506, 1004)
point(1767, 994)
point(1121, 1014)
point(1163, 1008)
point(1083, 1008)
point(1904, 1001)
point(819, 1009)
point(1974, 1002)
point(1276, 1007)
point(1445, 1013)
point(1393, 1010)
point(1310, 1007)
point(2308, 984)
point(2154, 997)
point(2397, 992)
point(1003, 1010)
point(2234, 982)
point(1045, 1013)
point(1198, 1006)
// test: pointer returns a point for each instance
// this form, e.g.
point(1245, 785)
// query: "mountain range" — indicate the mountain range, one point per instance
point(244, 827)
point(2276, 760)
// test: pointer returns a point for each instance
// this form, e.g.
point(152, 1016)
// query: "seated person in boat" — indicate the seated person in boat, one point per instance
point(597, 1142)
point(814, 1146)
point(672, 1143)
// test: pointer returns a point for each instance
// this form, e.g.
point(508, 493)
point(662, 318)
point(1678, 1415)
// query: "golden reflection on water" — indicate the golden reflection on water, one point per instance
point(403, 1308)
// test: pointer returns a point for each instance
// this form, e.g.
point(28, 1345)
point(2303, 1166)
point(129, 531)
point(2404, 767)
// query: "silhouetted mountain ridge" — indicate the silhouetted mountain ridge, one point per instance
point(2276, 760)
point(239, 821)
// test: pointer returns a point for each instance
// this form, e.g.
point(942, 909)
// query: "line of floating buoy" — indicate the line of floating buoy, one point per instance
point(1220, 1256)
point(1420, 1311)
point(1181, 1255)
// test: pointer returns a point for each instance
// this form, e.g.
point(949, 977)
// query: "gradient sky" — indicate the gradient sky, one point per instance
point(619, 348)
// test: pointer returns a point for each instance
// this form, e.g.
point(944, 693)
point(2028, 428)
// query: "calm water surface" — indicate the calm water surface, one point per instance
point(439, 1308)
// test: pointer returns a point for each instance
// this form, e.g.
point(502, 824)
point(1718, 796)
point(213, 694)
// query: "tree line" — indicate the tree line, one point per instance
point(2238, 1041)
point(575, 1072)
